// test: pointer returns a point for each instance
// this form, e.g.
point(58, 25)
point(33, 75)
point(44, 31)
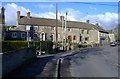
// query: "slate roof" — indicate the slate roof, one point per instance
point(37, 21)
point(100, 28)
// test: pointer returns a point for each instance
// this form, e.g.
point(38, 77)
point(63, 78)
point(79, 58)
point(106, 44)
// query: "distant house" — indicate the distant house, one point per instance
point(101, 35)
point(77, 32)
point(112, 37)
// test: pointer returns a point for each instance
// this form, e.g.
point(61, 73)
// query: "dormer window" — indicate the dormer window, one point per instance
point(14, 35)
point(22, 35)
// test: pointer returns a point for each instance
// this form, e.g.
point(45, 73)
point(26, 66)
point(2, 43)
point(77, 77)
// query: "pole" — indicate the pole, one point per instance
point(65, 32)
point(28, 38)
point(62, 20)
point(56, 26)
point(40, 43)
point(27, 33)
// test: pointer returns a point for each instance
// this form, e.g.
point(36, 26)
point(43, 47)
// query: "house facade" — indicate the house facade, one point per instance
point(76, 32)
point(112, 37)
point(15, 35)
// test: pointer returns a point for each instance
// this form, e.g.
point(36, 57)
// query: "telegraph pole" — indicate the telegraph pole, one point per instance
point(56, 26)
point(66, 31)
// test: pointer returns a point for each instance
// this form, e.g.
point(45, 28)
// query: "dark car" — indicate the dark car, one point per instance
point(118, 43)
point(113, 44)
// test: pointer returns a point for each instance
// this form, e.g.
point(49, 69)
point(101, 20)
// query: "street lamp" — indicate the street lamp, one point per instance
point(28, 38)
point(27, 33)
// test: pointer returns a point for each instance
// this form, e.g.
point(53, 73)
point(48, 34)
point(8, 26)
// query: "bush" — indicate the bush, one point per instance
point(83, 46)
point(45, 45)
point(13, 45)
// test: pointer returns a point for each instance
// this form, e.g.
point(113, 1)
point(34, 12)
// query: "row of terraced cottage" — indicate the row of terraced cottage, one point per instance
point(44, 29)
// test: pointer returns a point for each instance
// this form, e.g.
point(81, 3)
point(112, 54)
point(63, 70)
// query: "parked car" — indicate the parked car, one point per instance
point(118, 43)
point(113, 44)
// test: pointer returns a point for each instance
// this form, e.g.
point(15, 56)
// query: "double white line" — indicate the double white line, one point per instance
point(57, 70)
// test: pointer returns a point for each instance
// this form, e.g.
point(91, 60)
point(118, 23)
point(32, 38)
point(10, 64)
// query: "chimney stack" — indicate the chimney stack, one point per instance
point(61, 18)
point(18, 14)
point(28, 15)
point(88, 21)
point(97, 24)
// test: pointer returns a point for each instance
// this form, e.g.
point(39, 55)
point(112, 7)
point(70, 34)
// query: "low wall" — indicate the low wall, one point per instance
point(14, 59)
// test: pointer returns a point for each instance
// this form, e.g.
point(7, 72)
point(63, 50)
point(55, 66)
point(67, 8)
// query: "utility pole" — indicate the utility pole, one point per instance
point(62, 23)
point(56, 44)
point(66, 31)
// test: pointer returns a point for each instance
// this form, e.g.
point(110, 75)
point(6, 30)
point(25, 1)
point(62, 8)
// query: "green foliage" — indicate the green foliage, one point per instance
point(45, 45)
point(15, 45)
point(83, 46)
point(110, 31)
point(118, 39)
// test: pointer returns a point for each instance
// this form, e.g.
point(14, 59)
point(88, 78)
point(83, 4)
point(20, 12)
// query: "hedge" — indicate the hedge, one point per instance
point(15, 45)
point(83, 46)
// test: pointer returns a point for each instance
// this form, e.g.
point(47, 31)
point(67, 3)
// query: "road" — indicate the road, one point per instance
point(95, 62)
point(91, 62)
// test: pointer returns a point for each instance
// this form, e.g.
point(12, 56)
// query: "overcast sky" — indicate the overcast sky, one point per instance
point(105, 13)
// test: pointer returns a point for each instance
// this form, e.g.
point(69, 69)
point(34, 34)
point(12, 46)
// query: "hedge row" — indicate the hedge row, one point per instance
point(15, 45)
point(83, 46)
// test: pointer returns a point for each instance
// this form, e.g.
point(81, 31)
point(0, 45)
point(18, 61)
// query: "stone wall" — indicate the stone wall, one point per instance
point(14, 59)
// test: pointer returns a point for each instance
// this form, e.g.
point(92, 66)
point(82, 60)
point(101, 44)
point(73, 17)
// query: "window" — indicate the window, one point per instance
point(58, 37)
point(35, 35)
point(14, 35)
point(87, 31)
point(86, 38)
point(52, 37)
point(80, 38)
point(69, 29)
point(43, 36)
point(82, 31)
point(22, 35)
point(69, 38)
point(74, 37)
point(35, 28)
point(27, 27)
point(52, 28)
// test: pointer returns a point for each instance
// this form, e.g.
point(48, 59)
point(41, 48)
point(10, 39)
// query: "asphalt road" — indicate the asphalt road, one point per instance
point(95, 62)
point(91, 62)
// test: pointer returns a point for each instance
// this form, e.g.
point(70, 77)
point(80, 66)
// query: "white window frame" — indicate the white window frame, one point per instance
point(14, 34)
point(22, 35)
point(43, 36)
point(28, 27)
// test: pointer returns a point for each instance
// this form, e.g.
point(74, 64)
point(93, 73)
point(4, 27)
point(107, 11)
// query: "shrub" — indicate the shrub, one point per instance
point(13, 45)
point(45, 45)
point(83, 46)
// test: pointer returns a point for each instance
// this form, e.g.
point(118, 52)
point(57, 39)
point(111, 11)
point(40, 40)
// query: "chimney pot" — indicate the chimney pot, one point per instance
point(28, 15)
point(88, 21)
point(18, 14)
point(61, 18)
point(97, 24)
